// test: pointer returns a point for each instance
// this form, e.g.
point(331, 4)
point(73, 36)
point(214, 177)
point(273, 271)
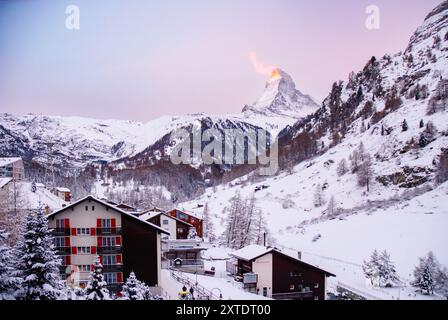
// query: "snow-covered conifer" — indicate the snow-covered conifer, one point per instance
point(37, 261)
point(8, 282)
point(133, 289)
point(96, 287)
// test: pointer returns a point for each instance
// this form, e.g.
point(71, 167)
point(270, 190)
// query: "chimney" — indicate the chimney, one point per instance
point(299, 255)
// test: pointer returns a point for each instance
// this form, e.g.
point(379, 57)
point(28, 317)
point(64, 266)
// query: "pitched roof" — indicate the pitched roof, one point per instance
point(4, 181)
point(62, 189)
point(6, 161)
point(190, 213)
point(109, 206)
point(253, 252)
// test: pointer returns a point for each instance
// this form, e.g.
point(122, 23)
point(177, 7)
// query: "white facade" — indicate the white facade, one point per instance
point(263, 268)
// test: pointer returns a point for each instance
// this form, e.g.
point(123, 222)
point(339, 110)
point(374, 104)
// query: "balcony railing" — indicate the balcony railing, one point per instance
point(108, 231)
point(109, 249)
point(61, 232)
point(113, 268)
point(63, 251)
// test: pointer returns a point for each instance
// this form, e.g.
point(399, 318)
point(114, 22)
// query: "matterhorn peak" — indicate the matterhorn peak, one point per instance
point(281, 98)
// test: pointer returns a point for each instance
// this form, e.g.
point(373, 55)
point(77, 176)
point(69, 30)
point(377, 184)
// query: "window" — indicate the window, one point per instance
point(83, 250)
point(87, 208)
point(316, 298)
point(84, 268)
point(59, 242)
point(105, 223)
point(60, 224)
point(291, 287)
point(93, 208)
point(110, 278)
point(295, 274)
point(83, 231)
point(165, 221)
point(109, 242)
point(265, 292)
point(316, 286)
point(191, 255)
point(180, 230)
point(109, 260)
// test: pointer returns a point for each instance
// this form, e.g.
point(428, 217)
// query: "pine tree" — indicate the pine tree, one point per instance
point(37, 261)
point(209, 229)
point(8, 282)
point(422, 124)
point(331, 208)
point(365, 171)
point(425, 274)
point(372, 268)
point(133, 289)
point(342, 168)
point(319, 198)
point(404, 125)
point(97, 288)
point(388, 274)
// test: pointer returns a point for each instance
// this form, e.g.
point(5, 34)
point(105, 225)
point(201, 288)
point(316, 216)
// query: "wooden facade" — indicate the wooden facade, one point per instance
point(284, 277)
point(194, 221)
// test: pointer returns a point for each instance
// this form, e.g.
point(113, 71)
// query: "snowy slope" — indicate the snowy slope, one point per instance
point(404, 212)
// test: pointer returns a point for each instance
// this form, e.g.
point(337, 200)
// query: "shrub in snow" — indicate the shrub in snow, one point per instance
point(8, 282)
point(134, 289)
point(404, 125)
point(37, 261)
point(96, 288)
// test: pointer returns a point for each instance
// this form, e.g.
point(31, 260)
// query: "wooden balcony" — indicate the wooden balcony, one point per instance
point(61, 232)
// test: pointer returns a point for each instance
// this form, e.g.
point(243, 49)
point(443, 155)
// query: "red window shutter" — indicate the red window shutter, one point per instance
point(93, 250)
point(73, 231)
point(119, 260)
point(100, 241)
point(68, 260)
point(101, 259)
point(66, 223)
point(118, 240)
point(92, 231)
point(74, 250)
point(92, 267)
point(98, 223)
point(120, 277)
point(67, 241)
point(113, 223)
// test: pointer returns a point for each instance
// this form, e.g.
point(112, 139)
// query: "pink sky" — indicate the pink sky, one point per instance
point(139, 60)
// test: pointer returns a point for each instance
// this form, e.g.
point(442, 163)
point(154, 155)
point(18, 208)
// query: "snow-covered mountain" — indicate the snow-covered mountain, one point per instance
point(73, 142)
point(281, 98)
point(337, 211)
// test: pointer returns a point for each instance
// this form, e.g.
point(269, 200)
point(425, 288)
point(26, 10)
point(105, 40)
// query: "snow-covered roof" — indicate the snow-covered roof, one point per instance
point(253, 251)
point(61, 189)
point(6, 161)
point(109, 206)
point(4, 181)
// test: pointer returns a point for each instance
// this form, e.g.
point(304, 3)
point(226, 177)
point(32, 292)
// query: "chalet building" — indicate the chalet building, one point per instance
point(275, 274)
point(178, 229)
point(191, 219)
point(63, 193)
point(91, 227)
point(5, 187)
point(12, 168)
point(178, 251)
